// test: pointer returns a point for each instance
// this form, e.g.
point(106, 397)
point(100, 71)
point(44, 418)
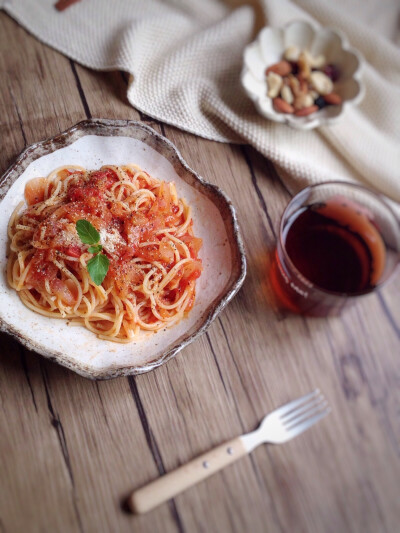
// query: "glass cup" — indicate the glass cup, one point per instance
point(337, 241)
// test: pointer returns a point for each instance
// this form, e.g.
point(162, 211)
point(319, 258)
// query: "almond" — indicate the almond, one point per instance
point(306, 111)
point(283, 68)
point(282, 106)
point(333, 99)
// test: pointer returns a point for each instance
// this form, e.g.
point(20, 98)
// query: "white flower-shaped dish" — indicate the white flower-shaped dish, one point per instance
point(268, 49)
point(92, 144)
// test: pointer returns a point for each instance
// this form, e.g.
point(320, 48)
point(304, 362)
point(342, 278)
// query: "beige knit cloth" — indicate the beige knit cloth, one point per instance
point(185, 58)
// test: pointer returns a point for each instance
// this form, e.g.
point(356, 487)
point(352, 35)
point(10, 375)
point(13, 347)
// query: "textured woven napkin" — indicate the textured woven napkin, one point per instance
point(185, 59)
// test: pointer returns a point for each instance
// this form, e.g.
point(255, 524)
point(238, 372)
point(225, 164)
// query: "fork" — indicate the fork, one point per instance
point(281, 425)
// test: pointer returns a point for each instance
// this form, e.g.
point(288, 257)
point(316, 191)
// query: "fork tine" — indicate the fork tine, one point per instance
point(305, 415)
point(288, 407)
point(313, 404)
point(299, 428)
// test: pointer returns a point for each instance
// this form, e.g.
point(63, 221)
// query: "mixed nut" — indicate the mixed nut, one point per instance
point(302, 84)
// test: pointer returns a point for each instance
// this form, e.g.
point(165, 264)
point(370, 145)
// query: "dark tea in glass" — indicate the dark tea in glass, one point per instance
point(337, 241)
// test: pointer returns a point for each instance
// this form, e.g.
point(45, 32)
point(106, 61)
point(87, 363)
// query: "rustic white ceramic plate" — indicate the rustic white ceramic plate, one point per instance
point(268, 49)
point(91, 144)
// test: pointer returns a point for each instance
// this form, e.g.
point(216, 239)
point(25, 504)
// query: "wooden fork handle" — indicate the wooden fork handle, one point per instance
point(169, 485)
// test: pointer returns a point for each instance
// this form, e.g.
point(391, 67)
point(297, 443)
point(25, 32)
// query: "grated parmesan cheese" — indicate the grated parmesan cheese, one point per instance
point(68, 236)
point(109, 240)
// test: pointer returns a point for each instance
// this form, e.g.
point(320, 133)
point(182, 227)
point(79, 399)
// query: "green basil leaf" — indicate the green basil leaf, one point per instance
point(87, 233)
point(95, 249)
point(98, 268)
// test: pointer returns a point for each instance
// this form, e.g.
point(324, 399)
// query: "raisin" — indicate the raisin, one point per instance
point(320, 102)
point(295, 67)
point(332, 72)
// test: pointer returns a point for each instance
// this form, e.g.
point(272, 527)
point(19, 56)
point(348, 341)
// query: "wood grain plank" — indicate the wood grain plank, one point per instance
point(75, 472)
point(37, 88)
point(34, 466)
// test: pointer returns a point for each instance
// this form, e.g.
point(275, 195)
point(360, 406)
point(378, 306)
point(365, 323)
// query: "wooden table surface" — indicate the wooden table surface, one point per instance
point(71, 449)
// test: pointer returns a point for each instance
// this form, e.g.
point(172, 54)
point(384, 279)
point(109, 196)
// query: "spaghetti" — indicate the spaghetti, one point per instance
point(146, 232)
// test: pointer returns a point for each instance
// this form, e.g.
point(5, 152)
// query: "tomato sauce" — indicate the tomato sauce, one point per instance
point(89, 200)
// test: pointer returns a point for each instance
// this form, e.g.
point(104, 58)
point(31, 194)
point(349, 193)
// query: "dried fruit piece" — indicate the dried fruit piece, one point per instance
point(333, 99)
point(306, 111)
point(332, 72)
point(321, 83)
point(320, 102)
point(287, 94)
point(283, 68)
point(292, 53)
point(295, 67)
point(274, 82)
point(282, 106)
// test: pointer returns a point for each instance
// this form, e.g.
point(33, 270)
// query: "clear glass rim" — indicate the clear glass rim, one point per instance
point(346, 184)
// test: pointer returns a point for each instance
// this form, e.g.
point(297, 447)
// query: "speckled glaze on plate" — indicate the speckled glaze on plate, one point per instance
point(91, 144)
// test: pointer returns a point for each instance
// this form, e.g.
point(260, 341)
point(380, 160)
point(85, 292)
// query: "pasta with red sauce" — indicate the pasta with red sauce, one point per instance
point(146, 232)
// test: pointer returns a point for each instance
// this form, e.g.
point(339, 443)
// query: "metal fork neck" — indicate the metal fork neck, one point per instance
point(252, 440)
